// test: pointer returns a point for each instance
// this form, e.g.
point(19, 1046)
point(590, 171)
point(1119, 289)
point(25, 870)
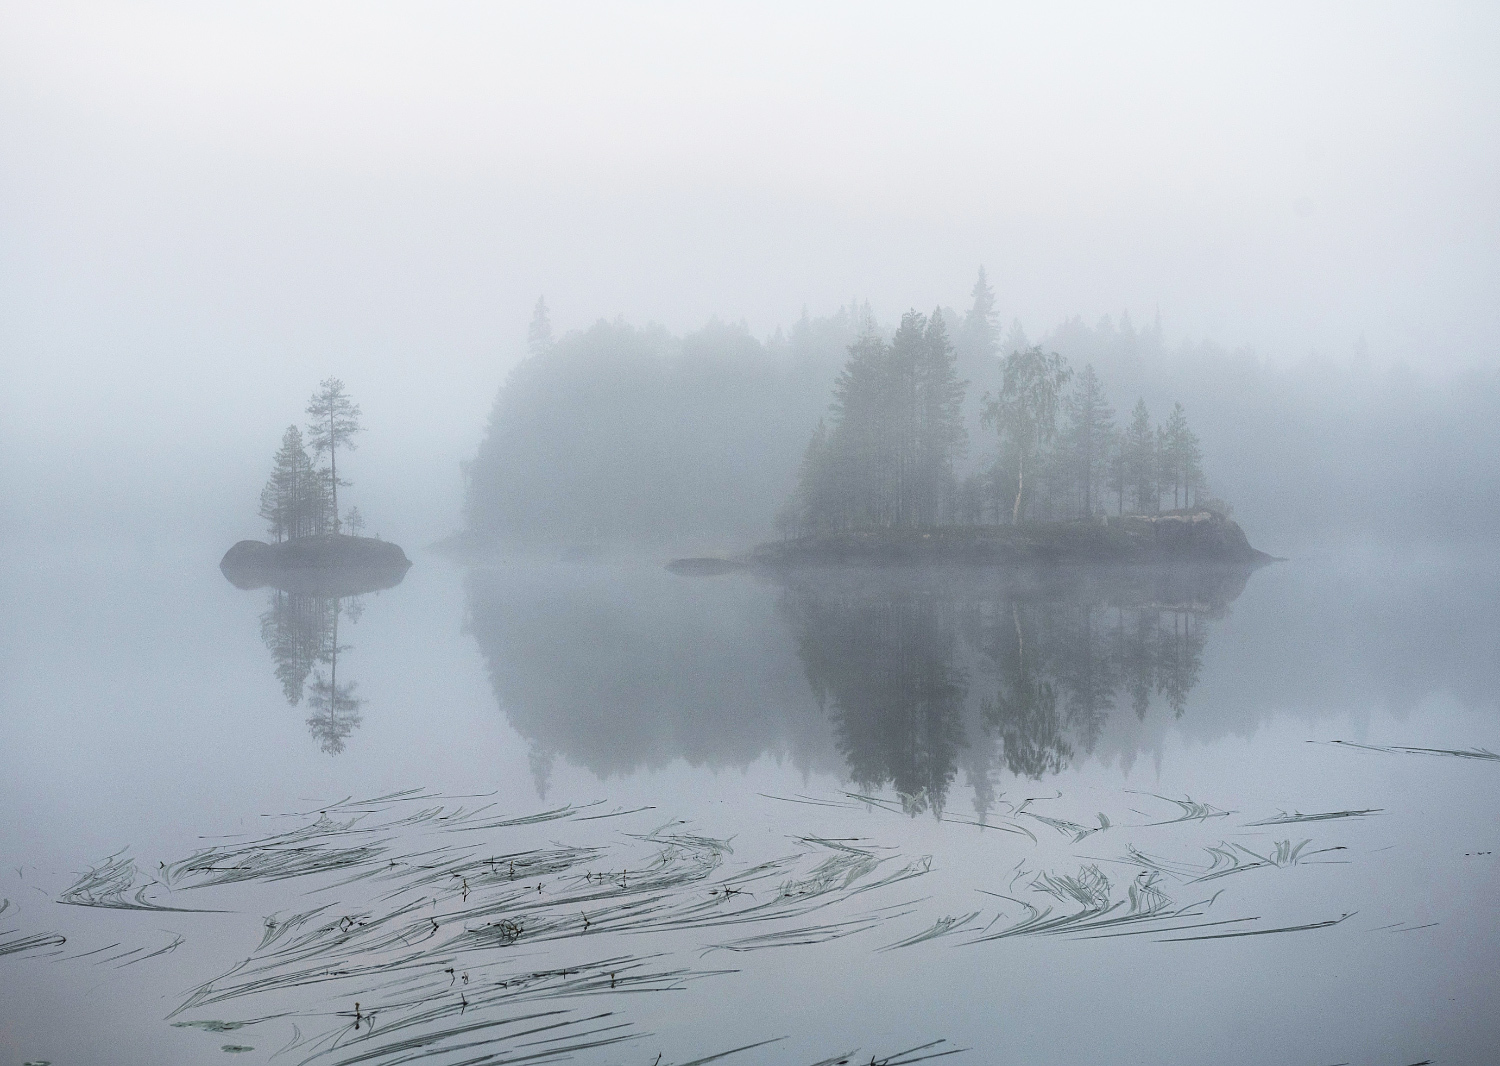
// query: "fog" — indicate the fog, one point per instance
point(205, 211)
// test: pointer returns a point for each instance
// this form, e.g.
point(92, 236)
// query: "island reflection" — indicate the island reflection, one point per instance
point(302, 633)
point(898, 680)
point(300, 628)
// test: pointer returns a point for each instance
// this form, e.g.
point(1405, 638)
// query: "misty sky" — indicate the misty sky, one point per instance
point(205, 208)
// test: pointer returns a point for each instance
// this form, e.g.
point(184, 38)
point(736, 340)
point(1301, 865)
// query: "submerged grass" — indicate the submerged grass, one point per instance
point(413, 935)
point(36, 942)
point(1483, 754)
point(401, 927)
point(1297, 816)
point(1227, 858)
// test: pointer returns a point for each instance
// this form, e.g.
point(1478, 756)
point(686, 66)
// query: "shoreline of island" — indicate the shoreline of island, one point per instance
point(324, 564)
point(1194, 536)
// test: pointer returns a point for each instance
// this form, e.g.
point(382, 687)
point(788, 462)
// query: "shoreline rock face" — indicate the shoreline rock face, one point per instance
point(1186, 536)
point(330, 565)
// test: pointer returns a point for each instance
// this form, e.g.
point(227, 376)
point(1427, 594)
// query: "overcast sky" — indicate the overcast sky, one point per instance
point(204, 208)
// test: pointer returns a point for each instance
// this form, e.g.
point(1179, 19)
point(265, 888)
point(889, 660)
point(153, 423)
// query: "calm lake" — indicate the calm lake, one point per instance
point(593, 811)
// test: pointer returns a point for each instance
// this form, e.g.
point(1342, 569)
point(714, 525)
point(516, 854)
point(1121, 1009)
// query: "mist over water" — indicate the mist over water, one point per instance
point(618, 287)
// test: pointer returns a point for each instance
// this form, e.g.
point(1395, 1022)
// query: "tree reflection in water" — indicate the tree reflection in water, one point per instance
point(891, 679)
point(302, 633)
point(925, 674)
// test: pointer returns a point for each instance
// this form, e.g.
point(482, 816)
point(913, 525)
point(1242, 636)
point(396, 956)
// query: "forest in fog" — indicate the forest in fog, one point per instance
point(627, 434)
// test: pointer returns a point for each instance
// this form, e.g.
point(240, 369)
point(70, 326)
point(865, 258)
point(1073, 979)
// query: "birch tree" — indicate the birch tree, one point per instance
point(1025, 411)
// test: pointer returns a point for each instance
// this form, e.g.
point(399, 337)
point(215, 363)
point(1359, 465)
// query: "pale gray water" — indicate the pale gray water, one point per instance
point(1107, 751)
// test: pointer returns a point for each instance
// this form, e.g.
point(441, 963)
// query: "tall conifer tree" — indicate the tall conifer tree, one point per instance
point(539, 333)
point(335, 420)
point(1092, 427)
point(1139, 456)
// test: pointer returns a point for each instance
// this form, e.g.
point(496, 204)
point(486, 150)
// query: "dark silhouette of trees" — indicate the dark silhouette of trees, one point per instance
point(885, 457)
point(1181, 459)
point(897, 427)
point(335, 420)
point(297, 500)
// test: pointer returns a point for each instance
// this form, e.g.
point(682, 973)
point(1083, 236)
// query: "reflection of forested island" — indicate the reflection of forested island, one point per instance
point(924, 677)
point(902, 678)
point(302, 634)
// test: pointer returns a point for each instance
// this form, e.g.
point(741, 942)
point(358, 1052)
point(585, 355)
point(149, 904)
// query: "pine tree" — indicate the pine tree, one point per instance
point(1117, 468)
point(941, 435)
point(1194, 480)
point(981, 330)
point(1182, 459)
point(293, 501)
point(539, 334)
point(902, 402)
point(896, 428)
point(335, 420)
point(1138, 454)
point(1092, 427)
point(1163, 467)
point(812, 507)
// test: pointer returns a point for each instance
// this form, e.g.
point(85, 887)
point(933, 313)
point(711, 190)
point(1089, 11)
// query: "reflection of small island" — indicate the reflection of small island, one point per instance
point(313, 566)
point(302, 633)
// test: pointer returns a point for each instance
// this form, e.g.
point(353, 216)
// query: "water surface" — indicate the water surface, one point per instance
point(1100, 818)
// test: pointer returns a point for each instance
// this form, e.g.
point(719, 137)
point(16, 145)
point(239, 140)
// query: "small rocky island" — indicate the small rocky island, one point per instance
point(328, 565)
point(315, 550)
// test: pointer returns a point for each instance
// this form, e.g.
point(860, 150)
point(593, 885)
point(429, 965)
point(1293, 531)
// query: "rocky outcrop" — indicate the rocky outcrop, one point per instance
point(332, 565)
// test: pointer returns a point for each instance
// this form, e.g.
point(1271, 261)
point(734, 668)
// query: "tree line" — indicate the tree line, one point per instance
point(886, 456)
point(621, 434)
point(301, 499)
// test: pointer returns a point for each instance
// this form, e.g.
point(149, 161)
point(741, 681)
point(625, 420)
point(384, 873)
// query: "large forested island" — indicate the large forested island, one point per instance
point(878, 484)
point(934, 447)
point(314, 549)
